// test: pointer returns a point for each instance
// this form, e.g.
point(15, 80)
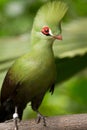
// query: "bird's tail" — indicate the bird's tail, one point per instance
point(6, 111)
point(2, 113)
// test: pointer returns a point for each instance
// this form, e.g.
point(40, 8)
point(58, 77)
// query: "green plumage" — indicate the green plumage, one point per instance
point(33, 74)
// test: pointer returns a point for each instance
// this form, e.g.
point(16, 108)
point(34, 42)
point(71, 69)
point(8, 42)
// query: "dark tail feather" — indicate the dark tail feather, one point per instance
point(6, 111)
point(2, 114)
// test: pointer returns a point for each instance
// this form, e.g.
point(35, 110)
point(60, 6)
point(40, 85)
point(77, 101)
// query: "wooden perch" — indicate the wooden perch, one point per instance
point(67, 122)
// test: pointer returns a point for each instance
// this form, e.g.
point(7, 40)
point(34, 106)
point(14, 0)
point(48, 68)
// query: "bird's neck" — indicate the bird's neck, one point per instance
point(44, 49)
point(39, 43)
point(43, 45)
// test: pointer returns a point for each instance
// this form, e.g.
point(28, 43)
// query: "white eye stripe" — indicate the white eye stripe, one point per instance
point(50, 32)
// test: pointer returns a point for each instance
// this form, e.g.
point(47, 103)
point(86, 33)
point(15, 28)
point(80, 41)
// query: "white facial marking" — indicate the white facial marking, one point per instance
point(50, 32)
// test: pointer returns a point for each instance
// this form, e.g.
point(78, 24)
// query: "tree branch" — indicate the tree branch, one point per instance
point(67, 122)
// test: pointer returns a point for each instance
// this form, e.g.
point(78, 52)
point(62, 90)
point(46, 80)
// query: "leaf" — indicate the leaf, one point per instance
point(71, 53)
point(69, 66)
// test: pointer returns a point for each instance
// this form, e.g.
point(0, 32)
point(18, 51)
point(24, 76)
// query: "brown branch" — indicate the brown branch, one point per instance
point(67, 122)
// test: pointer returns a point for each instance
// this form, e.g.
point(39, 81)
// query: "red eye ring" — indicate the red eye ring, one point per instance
point(45, 30)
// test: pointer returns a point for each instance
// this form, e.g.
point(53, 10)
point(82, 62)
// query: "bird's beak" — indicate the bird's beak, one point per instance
point(58, 37)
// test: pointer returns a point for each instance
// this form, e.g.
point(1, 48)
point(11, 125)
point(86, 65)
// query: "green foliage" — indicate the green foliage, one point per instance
point(16, 17)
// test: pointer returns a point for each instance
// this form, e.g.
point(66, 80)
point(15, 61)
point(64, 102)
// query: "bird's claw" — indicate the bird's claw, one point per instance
point(39, 117)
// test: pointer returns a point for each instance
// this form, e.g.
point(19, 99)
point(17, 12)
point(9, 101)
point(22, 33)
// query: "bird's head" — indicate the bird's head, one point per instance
point(47, 23)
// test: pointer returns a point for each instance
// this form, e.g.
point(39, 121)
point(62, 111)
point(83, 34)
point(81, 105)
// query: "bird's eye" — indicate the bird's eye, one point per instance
point(45, 31)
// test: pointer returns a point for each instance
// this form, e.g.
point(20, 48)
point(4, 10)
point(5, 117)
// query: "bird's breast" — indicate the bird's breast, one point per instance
point(38, 74)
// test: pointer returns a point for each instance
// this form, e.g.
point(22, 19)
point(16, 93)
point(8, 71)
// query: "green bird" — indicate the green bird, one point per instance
point(34, 73)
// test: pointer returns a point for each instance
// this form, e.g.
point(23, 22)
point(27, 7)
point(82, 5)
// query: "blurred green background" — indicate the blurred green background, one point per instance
point(16, 19)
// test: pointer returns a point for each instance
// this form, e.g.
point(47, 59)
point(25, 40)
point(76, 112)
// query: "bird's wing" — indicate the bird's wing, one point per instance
point(12, 80)
point(8, 87)
point(52, 89)
point(19, 73)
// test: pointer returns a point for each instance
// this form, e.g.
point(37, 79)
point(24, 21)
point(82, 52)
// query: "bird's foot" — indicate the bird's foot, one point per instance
point(41, 117)
point(15, 119)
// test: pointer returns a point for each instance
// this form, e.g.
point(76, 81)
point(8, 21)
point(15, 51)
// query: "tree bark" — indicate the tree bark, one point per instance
point(67, 122)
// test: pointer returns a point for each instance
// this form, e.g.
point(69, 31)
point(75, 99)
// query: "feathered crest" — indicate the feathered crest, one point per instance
point(50, 13)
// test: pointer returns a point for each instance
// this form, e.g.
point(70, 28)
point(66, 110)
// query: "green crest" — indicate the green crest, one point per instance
point(50, 14)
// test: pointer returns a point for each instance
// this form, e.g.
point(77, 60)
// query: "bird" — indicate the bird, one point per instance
point(34, 73)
